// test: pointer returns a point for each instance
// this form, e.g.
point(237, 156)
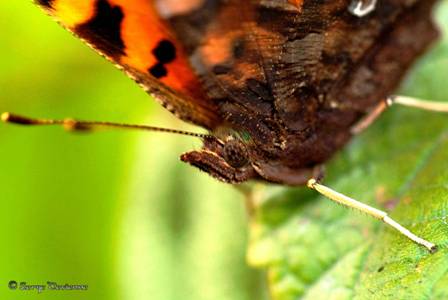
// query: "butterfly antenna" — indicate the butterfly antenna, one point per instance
point(77, 125)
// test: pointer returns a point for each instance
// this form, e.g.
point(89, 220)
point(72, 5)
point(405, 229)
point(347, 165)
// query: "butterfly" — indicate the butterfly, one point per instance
point(281, 85)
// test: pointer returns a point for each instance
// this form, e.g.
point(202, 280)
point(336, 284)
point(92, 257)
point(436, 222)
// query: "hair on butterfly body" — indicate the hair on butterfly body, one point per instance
point(281, 85)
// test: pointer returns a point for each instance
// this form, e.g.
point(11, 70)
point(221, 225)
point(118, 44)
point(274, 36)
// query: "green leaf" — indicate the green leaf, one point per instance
point(314, 249)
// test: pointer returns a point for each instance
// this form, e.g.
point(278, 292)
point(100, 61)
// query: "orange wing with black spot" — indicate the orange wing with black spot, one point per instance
point(131, 34)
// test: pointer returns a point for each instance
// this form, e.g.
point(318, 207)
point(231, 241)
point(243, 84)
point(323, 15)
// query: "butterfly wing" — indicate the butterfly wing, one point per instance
point(293, 57)
point(296, 75)
point(132, 35)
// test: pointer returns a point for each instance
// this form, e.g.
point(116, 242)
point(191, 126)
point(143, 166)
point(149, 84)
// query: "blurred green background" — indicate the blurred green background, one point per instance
point(115, 210)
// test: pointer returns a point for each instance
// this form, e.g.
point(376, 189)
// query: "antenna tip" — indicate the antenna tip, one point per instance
point(6, 116)
point(12, 118)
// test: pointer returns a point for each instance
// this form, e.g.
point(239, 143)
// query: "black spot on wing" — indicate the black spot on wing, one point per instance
point(45, 3)
point(158, 71)
point(164, 52)
point(103, 30)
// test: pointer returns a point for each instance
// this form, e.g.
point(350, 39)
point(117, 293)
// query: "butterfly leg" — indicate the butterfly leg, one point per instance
point(371, 211)
point(403, 100)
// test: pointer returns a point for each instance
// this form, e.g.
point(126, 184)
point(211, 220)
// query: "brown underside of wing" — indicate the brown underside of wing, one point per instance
point(296, 75)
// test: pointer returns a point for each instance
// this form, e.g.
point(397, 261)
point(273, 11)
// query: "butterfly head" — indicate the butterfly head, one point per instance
point(226, 158)
point(234, 158)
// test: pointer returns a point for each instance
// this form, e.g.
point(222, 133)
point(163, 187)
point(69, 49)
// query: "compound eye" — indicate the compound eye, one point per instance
point(235, 154)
